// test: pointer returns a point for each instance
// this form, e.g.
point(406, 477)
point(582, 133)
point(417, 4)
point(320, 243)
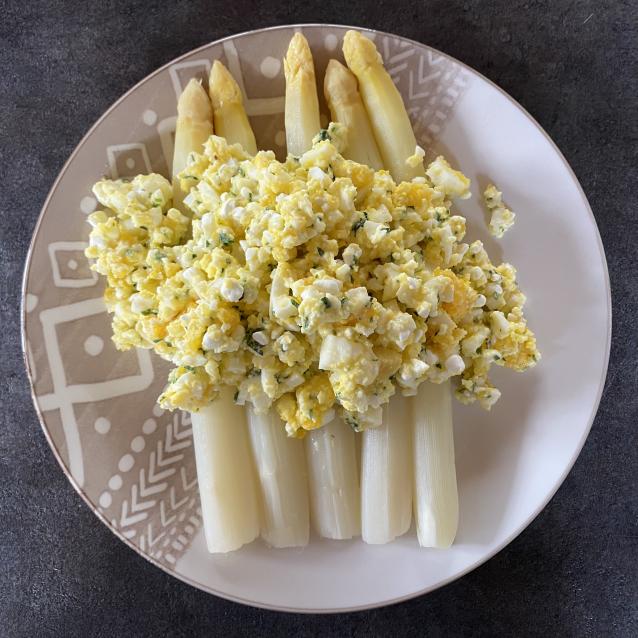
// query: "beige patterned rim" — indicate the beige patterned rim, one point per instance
point(163, 565)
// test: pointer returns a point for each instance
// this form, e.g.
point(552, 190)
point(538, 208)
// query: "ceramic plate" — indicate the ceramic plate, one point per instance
point(134, 464)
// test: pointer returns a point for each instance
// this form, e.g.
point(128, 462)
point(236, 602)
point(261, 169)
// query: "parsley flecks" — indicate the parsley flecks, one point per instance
point(352, 422)
point(324, 135)
point(358, 224)
point(149, 311)
point(225, 239)
point(257, 348)
point(326, 302)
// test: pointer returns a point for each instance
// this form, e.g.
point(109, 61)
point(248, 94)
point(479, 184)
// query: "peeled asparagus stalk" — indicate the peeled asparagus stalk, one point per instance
point(279, 460)
point(193, 127)
point(333, 481)
point(386, 475)
point(435, 493)
point(282, 474)
point(302, 104)
point(330, 451)
point(436, 504)
point(230, 117)
point(225, 474)
point(346, 107)
point(224, 466)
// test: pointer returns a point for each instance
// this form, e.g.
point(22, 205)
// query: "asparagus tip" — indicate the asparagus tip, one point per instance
point(222, 87)
point(339, 85)
point(194, 103)
point(360, 52)
point(298, 58)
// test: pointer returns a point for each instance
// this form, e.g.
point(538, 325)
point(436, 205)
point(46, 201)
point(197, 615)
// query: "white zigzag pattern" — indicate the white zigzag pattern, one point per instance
point(152, 479)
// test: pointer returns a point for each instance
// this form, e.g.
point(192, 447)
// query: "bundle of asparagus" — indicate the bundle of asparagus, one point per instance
point(255, 479)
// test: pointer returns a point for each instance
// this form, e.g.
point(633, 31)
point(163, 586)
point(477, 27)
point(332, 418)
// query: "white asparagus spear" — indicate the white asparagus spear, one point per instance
point(281, 470)
point(229, 114)
point(386, 464)
point(386, 475)
point(436, 505)
point(346, 107)
point(225, 475)
point(227, 487)
point(302, 103)
point(333, 476)
point(279, 460)
point(435, 494)
point(333, 481)
point(390, 121)
point(193, 127)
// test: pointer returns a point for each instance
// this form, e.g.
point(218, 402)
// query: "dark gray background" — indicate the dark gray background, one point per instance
point(573, 66)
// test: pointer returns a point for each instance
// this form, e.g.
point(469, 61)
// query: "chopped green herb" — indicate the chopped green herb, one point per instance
point(326, 302)
point(352, 422)
point(149, 311)
point(225, 239)
point(257, 348)
point(358, 224)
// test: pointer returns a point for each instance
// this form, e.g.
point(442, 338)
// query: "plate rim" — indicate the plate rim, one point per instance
point(238, 599)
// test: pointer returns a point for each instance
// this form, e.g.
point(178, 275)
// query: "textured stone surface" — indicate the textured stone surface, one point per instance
point(573, 571)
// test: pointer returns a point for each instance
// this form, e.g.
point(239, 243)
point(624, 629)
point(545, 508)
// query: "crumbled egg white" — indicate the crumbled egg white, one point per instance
point(307, 285)
point(501, 217)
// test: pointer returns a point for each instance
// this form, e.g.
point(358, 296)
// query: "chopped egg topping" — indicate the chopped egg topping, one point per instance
point(310, 285)
point(502, 218)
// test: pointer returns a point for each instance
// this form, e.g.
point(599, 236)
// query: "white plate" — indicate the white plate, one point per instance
point(134, 465)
